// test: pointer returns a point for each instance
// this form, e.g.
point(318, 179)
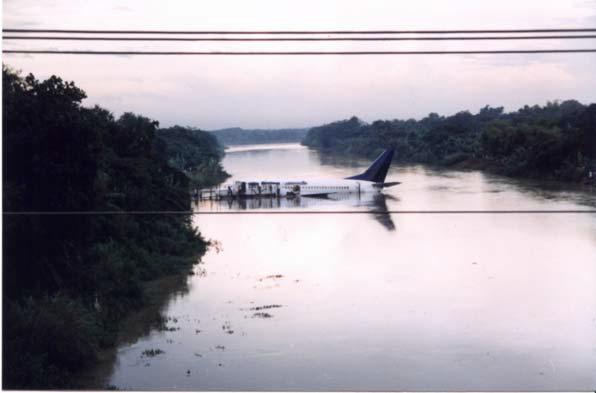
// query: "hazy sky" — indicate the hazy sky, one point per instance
point(268, 92)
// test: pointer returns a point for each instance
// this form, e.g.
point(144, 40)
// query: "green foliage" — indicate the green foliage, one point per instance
point(70, 278)
point(557, 141)
point(196, 153)
point(333, 134)
point(46, 340)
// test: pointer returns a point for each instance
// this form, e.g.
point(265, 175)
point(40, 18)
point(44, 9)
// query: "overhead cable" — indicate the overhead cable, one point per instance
point(301, 32)
point(294, 53)
point(298, 39)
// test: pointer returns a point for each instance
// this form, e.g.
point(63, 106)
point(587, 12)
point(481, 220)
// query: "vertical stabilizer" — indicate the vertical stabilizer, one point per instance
point(377, 171)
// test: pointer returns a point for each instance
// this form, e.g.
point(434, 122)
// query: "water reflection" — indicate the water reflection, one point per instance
point(448, 302)
point(376, 204)
point(339, 160)
point(381, 215)
point(547, 190)
point(148, 321)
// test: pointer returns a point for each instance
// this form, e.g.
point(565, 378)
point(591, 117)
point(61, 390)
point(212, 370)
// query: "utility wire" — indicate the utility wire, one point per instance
point(288, 212)
point(302, 32)
point(295, 53)
point(301, 39)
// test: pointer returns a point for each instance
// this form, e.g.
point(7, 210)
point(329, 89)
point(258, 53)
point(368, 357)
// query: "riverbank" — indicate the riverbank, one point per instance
point(137, 324)
point(552, 183)
point(552, 142)
point(70, 279)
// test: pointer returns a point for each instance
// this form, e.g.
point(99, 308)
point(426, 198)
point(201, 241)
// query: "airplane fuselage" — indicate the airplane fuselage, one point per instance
point(284, 188)
point(339, 186)
point(370, 181)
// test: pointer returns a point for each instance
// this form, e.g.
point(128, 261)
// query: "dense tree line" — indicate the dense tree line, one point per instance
point(196, 153)
point(555, 141)
point(239, 136)
point(70, 278)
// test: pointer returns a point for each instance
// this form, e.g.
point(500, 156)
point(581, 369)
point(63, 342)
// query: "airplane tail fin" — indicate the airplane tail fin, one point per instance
point(377, 171)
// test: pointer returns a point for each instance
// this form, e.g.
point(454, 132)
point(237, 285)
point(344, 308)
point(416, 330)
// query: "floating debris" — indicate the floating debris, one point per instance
point(271, 277)
point(216, 244)
point(151, 352)
point(266, 307)
point(198, 355)
point(168, 329)
point(262, 315)
point(220, 347)
point(197, 331)
point(199, 271)
point(227, 327)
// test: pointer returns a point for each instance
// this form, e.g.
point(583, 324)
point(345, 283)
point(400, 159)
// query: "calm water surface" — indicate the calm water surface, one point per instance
point(379, 302)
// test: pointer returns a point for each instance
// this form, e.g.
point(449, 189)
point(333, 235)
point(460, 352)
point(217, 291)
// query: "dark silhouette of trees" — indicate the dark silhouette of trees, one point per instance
point(69, 279)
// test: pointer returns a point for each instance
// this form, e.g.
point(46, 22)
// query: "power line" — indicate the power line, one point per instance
point(296, 53)
point(289, 212)
point(301, 39)
point(302, 32)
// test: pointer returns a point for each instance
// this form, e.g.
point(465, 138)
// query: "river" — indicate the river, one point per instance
point(376, 301)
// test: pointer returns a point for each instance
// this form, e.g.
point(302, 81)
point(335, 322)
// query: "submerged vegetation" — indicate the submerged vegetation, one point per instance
point(70, 278)
point(151, 352)
point(556, 141)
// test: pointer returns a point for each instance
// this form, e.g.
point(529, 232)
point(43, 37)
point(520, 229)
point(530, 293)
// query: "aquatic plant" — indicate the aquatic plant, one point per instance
point(151, 352)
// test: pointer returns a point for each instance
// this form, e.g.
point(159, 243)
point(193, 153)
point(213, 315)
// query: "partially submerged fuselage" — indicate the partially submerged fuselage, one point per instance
point(289, 188)
point(370, 181)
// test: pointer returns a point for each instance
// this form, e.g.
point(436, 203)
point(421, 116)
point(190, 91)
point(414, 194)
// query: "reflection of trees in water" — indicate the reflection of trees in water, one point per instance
point(149, 318)
point(159, 294)
point(550, 190)
point(338, 160)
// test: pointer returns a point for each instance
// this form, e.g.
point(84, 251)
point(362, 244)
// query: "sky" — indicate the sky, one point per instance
point(301, 91)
